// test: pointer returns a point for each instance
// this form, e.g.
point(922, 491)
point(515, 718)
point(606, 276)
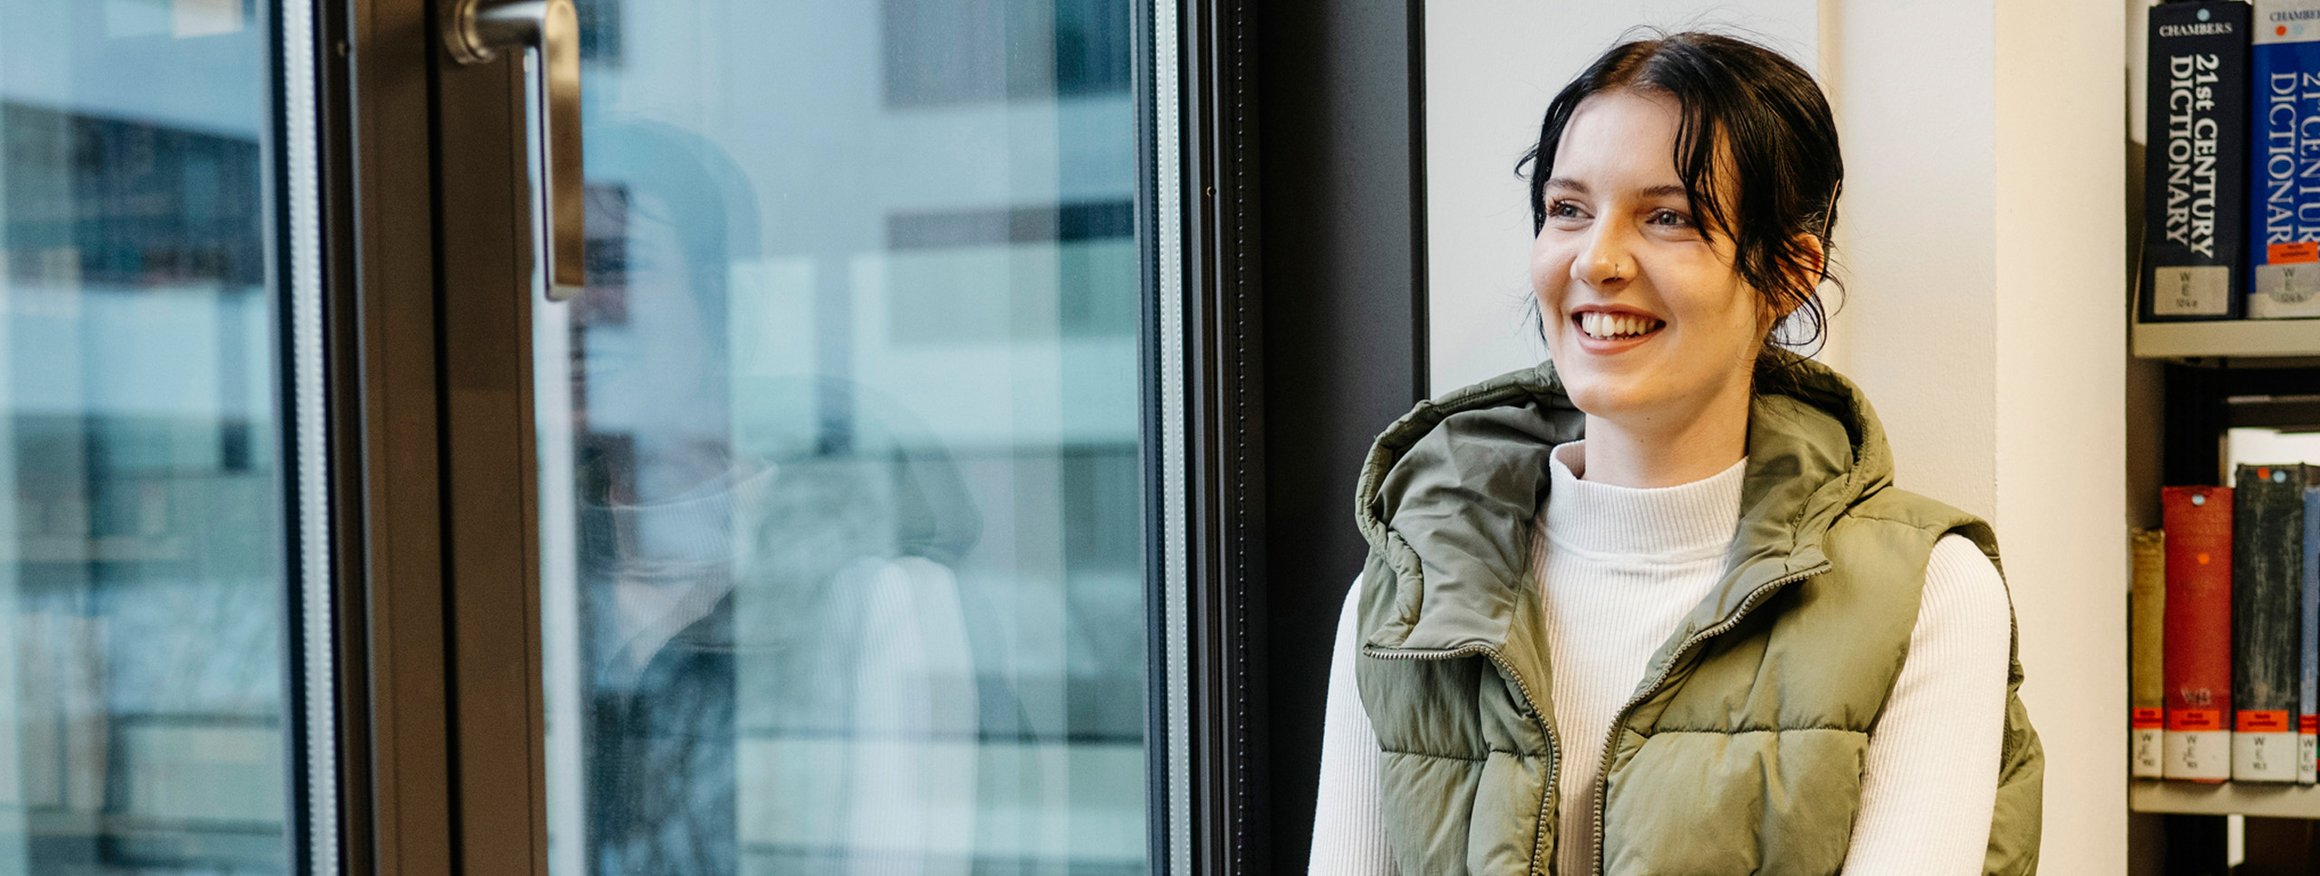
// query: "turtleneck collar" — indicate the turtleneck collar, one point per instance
point(1684, 522)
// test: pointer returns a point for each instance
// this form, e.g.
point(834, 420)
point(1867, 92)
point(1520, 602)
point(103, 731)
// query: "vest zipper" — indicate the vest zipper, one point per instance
point(1619, 722)
point(1554, 745)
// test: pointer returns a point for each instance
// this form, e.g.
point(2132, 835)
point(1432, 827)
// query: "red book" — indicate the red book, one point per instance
point(2198, 635)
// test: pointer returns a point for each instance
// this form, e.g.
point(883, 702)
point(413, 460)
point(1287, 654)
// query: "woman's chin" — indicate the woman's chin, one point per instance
point(1605, 399)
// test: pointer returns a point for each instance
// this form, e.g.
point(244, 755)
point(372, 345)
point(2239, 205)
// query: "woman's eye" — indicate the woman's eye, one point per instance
point(1671, 219)
point(1562, 210)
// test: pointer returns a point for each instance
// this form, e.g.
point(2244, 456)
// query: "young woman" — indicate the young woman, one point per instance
point(1655, 607)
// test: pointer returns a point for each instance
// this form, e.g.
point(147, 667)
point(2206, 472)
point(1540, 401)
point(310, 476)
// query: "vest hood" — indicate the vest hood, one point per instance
point(1449, 493)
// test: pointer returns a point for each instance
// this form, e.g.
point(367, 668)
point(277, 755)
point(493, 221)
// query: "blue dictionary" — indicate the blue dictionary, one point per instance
point(2284, 160)
point(2194, 218)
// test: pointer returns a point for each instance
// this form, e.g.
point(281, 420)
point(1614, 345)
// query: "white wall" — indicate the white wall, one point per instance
point(2061, 333)
point(1981, 238)
point(1918, 235)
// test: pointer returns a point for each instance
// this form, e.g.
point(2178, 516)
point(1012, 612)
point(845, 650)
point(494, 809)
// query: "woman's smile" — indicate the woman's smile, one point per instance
point(1610, 330)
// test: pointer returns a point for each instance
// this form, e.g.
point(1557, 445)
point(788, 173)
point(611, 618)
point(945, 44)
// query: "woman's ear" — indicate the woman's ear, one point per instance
point(1809, 271)
point(1816, 260)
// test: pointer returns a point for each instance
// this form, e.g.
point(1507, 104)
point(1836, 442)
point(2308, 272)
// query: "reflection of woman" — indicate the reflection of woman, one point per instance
point(779, 672)
point(1655, 606)
point(659, 487)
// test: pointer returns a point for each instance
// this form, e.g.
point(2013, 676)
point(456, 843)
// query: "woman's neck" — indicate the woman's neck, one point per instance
point(1664, 455)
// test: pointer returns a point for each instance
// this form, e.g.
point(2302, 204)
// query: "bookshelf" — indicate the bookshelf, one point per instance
point(2182, 405)
point(2234, 339)
point(2190, 384)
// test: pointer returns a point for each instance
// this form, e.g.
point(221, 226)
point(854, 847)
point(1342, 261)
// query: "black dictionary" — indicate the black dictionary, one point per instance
point(2195, 189)
point(2267, 634)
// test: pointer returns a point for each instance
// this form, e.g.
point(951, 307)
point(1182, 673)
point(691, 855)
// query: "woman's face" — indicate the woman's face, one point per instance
point(1646, 320)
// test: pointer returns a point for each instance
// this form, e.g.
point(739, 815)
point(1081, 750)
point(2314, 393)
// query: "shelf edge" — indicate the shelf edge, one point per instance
point(2188, 798)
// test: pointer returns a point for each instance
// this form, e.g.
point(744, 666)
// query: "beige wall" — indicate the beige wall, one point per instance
point(2061, 399)
point(1982, 240)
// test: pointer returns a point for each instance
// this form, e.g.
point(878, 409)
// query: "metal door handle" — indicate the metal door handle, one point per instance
point(478, 32)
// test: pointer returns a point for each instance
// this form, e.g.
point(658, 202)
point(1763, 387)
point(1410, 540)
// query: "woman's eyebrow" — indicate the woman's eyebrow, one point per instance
point(1663, 190)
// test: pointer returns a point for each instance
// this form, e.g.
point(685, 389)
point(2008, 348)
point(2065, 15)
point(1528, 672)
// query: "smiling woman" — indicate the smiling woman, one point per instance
point(1650, 314)
point(1655, 606)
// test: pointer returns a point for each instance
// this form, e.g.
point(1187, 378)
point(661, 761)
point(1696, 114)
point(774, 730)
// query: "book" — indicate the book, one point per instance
point(2198, 631)
point(2267, 586)
point(2146, 670)
point(2308, 724)
point(2195, 183)
point(2284, 161)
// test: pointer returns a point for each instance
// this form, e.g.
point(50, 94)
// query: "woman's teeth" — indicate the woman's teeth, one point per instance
point(1607, 326)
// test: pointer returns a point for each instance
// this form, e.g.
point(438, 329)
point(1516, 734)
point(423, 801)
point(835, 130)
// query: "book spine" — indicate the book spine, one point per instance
point(2284, 161)
point(2195, 182)
point(2198, 631)
point(2308, 725)
point(2266, 609)
point(2146, 669)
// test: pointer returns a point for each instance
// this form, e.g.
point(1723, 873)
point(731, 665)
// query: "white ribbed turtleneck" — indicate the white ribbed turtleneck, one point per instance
point(1621, 566)
point(1618, 569)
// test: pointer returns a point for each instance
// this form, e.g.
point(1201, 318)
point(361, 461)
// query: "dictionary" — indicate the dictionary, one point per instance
point(2284, 161)
point(2198, 632)
point(2195, 215)
point(2146, 666)
point(2308, 723)
point(2267, 582)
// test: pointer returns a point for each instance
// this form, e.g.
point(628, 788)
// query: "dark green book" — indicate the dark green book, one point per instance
point(2267, 582)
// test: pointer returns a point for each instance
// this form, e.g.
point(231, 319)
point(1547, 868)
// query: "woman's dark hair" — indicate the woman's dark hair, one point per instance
point(1778, 142)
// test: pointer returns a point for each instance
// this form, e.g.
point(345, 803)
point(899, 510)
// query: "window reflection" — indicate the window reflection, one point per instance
point(856, 478)
point(142, 555)
point(658, 489)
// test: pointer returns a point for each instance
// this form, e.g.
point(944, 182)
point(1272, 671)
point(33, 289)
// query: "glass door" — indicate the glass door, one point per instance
point(163, 549)
point(834, 466)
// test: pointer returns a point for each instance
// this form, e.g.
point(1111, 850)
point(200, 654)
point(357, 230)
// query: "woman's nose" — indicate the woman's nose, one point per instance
point(1607, 260)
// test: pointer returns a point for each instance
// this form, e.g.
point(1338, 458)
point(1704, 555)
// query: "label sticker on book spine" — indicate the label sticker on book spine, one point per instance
point(2194, 720)
point(2307, 752)
point(2202, 290)
point(2263, 721)
point(2199, 756)
point(2292, 252)
point(2148, 747)
point(2147, 742)
point(2286, 291)
point(2264, 747)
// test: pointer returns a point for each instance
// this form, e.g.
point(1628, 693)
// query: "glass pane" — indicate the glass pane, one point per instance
point(843, 481)
point(144, 567)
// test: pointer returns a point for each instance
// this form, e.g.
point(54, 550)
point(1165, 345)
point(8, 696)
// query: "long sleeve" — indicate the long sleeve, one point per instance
point(1348, 837)
point(1932, 772)
point(909, 773)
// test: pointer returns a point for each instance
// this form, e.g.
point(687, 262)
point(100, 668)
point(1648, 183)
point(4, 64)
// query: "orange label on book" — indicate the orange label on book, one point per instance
point(2188, 720)
point(2299, 251)
point(2308, 724)
point(2263, 721)
point(2152, 719)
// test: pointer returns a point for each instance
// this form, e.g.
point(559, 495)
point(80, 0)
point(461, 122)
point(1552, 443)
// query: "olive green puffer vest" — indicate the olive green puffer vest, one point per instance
point(1742, 750)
